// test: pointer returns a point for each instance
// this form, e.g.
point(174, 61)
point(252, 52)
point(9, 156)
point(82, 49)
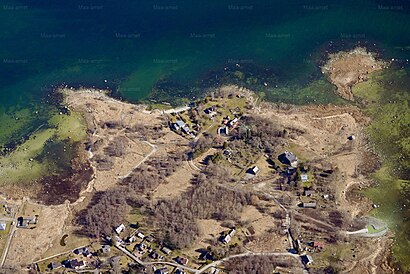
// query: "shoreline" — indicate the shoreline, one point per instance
point(102, 95)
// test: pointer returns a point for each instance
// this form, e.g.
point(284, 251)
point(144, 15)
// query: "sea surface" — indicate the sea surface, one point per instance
point(173, 49)
point(164, 51)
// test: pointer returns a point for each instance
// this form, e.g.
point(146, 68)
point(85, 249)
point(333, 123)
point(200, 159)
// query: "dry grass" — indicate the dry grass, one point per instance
point(178, 182)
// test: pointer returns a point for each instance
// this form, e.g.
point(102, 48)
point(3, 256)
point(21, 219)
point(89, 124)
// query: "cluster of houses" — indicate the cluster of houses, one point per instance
point(144, 246)
point(309, 246)
point(291, 178)
point(78, 263)
point(227, 125)
point(181, 126)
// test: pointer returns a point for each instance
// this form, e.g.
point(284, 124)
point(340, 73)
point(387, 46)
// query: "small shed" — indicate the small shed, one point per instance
point(306, 259)
point(120, 229)
point(309, 192)
point(55, 265)
point(304, 178)
point(253, 170)
point(309, 205)
point(166, 250)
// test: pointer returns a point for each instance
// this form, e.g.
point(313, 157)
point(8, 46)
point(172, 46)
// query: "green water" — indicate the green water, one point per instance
point(387, 102)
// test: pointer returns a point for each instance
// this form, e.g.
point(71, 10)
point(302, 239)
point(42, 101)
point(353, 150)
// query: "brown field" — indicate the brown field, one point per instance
point(176, 184)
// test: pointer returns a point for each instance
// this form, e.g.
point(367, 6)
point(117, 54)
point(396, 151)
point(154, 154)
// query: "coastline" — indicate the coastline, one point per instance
point(71, 96)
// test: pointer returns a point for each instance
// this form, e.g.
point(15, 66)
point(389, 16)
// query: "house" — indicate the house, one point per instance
point(182, 260)
point(211, 111)
point(253, 170)
point(326, 196)
point(105, 249)
point(228, 237)
point(141, 247)
point(288, 158)
point(166, 250)
point(3, 225)
point(179, 271)
point(178, 125)
point(149, 238)
point(24, 222)
point(163, 270)
point(223, 131)
point(74, 264)
point(309, 192)
point(318, 245)
point(132, 239)
point(54, 265)
point(304, 178)
point(154, 255)
point(309, 205)
point(306, 259)
point(83, 250)
point(140, 235)
point(119, 240)
point(185, 129)
point(120, 229)
point(233, 122)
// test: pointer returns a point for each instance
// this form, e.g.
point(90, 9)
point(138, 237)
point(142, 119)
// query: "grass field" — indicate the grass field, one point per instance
point(372, 229)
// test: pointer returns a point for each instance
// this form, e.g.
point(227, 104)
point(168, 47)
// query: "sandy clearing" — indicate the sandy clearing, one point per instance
point(178, 182)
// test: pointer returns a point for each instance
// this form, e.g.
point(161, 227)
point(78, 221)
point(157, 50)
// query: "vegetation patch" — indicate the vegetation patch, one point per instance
point(387, 101)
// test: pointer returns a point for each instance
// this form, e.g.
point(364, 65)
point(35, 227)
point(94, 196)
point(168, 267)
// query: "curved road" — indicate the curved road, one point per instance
point(204, 268)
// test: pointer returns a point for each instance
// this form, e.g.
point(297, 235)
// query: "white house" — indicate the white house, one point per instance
point(120, 229)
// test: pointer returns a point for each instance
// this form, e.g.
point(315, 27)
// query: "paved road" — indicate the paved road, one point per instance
point(61, 253)
point(206, 267)
point(139, 261)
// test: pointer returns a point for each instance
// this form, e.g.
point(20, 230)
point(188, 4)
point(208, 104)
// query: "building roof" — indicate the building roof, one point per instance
point(227, 239)
point(185, 128)
point(253, 170)
point(318, 245)
point(74, 264)
point(166, 250)
point(182, 260)
point(307, 259)
point(3, 225)
point(180, 123)
point(120, 228)
point(304, 177)
point(55, 265)
point(309, 192)
point(309, 205)
point(288, 158)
